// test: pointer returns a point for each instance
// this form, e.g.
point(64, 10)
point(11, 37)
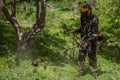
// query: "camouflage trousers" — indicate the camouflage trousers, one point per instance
point(91, 52)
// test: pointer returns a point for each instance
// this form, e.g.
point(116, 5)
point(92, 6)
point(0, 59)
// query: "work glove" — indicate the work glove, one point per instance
point(100, 36)
point(85, 45)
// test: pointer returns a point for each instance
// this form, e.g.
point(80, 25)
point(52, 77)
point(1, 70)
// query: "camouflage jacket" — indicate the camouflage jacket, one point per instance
point(89, 27)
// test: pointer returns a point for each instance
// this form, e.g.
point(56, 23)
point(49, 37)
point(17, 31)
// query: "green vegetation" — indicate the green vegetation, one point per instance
point(50, 46)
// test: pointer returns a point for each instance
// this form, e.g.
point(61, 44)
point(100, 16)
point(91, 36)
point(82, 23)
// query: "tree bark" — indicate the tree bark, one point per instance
point(23, 41)
point(92, 2)
point(76, 6)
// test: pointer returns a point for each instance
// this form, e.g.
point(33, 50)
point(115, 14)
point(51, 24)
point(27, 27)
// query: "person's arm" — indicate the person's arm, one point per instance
point(76, 31)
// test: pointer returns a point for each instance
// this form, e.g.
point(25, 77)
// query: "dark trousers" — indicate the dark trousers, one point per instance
point(91, 51)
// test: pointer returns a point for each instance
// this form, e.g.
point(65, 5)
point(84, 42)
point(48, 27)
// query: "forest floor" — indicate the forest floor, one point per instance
point(24, 70)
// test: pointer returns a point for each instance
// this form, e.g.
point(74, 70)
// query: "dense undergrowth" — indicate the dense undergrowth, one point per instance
point(50, 46)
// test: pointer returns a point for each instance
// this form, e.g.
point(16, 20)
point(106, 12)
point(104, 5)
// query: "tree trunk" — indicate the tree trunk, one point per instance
point(23, 41)
point(92, 2)
point(22, 48)
point(76, 6)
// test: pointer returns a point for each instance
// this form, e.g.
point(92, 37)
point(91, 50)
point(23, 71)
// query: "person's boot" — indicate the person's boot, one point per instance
point(94, 71)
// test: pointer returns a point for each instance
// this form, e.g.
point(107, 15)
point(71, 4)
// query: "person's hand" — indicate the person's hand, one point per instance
point(100, 34)
point(72, 31)
point(85, 45)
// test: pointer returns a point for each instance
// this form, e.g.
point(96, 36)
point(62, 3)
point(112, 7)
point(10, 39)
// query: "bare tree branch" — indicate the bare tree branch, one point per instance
point(37, 9)
point(92, 2)
point(39, 23)
point(5, 11)
point(13, 8)
point(12, 20)
point(43, 10)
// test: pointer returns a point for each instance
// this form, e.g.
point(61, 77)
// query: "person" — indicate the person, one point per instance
point(89, 33)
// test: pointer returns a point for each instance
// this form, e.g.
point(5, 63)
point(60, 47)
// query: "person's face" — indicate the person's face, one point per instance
point(84, 14)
